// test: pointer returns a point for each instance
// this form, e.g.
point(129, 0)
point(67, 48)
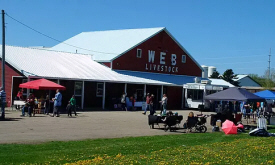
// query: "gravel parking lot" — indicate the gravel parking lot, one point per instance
point(87, 125)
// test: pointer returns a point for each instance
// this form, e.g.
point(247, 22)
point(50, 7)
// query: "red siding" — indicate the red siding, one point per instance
point(107, 64)
point(174, 95)
point(9, 72)
point(162, 42)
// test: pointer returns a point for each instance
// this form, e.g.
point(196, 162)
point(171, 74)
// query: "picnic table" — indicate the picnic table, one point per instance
point(20, 103)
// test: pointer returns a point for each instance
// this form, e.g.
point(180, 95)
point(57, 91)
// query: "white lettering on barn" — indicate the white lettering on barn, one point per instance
point(151, 56)
point(161, 67)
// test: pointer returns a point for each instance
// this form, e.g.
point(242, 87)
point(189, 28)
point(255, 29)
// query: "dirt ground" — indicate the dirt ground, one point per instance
point(87, 125)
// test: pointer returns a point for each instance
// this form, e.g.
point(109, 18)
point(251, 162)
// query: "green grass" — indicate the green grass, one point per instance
point(215, 148)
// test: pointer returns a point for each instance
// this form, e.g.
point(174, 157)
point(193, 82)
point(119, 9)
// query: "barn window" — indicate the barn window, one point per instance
point(99, 90)
point(183, 58)
point(78, 85)
point(139, 53)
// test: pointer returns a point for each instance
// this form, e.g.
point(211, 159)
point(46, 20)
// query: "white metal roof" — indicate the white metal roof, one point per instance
point(106, 45)
point(220, 82)
point(53, 64)
point(240, 76)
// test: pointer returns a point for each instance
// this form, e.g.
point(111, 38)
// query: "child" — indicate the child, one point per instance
point(69, 109)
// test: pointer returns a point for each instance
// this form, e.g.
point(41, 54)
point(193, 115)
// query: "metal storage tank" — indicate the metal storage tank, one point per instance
point(211, 70)
point(205, 71)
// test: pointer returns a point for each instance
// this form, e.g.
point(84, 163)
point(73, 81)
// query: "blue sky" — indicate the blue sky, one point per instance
point(226, 34)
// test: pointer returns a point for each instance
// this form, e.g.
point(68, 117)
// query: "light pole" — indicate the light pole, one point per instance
point(3, 59)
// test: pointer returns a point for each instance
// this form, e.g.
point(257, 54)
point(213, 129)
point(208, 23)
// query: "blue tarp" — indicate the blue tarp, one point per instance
point(267, 94)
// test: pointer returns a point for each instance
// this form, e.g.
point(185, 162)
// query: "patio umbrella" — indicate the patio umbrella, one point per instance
point(240, 126)
point(42, 84)
point(229, 127)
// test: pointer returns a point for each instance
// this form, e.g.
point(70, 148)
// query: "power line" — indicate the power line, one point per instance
point(234, 57)
point(245, 68)
point(54, 38)
point(237, 62)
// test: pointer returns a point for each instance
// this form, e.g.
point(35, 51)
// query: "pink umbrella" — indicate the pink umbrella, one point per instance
point(229, 127)
point(240, 126)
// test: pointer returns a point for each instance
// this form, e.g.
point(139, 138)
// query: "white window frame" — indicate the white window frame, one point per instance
point(139, 56)
point(97, 95)
point(183, 58)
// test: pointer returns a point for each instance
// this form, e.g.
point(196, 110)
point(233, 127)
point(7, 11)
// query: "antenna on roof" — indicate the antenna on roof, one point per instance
point(76, 51)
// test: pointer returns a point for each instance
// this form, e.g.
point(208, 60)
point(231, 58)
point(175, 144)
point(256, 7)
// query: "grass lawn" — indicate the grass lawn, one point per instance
point(193, 148)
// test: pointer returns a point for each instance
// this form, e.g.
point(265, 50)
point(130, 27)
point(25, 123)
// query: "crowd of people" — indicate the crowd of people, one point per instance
point(246, 108)
point(150, 103)
point(32, 103)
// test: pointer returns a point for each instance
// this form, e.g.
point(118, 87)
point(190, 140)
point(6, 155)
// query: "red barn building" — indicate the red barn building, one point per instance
point(107, 63)
point(147, 53)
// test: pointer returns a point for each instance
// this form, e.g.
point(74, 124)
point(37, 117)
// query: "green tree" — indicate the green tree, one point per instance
point(215, 74)
point(266, 81)
point(228, 76)
point(259, 79)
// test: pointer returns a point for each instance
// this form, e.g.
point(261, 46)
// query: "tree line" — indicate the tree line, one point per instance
point(267, 80)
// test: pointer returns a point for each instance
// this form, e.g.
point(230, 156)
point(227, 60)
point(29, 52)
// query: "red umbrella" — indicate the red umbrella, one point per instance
point(42, 84)
point(229, 127)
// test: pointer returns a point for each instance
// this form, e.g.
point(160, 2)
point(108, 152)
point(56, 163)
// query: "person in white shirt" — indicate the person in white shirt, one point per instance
point(164, 104)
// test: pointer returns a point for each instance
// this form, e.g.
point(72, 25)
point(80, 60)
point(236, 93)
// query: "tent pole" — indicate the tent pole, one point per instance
point(28, 90)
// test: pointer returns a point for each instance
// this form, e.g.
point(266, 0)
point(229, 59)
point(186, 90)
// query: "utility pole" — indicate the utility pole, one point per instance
point(3, 58)
point(269, 64)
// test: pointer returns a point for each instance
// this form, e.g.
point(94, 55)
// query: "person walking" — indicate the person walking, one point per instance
point(73, 105)
point(164, 104)
point(57, 103)
point(3, 102)
point(147, 104)
point(123, 101)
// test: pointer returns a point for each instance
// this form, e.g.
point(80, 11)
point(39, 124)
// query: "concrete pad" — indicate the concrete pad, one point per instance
point(87, 125)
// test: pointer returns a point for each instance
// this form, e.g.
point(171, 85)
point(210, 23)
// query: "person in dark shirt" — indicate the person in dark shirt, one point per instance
point(31, 104)
point(69, 108)
point(152, 108)
point(47, 105)
point(3, 102)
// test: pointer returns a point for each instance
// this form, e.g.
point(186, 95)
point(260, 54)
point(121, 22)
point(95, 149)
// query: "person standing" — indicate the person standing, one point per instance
point(3, 102)
point(73, 105)
point(69, 109)
point(57, 103)
point(164, 104)
point(152, 108)
point(147, 104)
point(123, 101)
point(47, 105)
